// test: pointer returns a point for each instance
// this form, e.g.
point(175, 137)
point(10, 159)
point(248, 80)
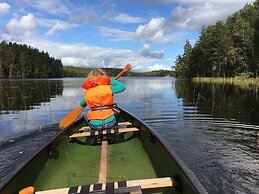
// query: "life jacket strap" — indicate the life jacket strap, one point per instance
point(113, 106)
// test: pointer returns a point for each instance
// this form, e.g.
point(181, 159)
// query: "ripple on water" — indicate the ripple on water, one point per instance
point(14, 154)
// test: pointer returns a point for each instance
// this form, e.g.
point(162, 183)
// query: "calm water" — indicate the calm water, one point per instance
point(212, 127)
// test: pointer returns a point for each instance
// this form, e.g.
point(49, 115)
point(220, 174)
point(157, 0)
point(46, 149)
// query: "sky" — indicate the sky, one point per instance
point(148, 34)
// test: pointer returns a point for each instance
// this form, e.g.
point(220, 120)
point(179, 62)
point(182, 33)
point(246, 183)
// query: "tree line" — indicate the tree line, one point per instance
point(22, 61)
point(70, 71)
point(226, 49)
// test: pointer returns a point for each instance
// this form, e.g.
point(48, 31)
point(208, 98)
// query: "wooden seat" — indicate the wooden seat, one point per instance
point(128, 186)
point(104, 132)
point(122, 124)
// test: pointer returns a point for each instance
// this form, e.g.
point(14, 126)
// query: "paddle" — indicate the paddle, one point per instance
point(72, 116)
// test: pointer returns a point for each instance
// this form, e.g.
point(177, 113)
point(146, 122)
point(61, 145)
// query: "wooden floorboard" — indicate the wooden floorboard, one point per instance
point(103, 163)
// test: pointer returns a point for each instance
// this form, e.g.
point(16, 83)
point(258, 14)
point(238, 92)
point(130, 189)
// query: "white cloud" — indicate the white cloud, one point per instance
point(22, 28)
point(150, 67)
point(89, 56)
point(60, 25)
point(146, 52)
point(157, 67)
point(192, 14)
point(156, 31)
point(4, 9)
point(85, 55)
point(200, 12)
point(125, 18)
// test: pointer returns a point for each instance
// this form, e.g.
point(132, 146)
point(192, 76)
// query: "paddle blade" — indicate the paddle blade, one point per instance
point(27, 190)
point(71, 117)
point(126, 69)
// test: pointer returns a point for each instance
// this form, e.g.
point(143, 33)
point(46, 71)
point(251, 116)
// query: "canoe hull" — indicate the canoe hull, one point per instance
point(164, 160)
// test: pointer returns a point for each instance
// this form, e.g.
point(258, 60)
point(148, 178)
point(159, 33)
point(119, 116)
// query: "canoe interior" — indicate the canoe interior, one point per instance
point(76, 164)
point(63, 164)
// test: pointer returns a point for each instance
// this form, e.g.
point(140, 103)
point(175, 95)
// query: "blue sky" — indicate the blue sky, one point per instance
point(149, 34)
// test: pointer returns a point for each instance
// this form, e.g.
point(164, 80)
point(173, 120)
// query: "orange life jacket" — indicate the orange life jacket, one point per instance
point(98, 94)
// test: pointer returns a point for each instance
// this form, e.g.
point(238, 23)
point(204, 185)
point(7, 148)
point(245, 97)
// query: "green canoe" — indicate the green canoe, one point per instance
point(130, 158)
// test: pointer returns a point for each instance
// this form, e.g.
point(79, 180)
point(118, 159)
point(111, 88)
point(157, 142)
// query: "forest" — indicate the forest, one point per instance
point(226, 49)
point(22, 61)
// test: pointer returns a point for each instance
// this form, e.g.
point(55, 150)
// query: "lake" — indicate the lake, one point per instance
point(213, 128)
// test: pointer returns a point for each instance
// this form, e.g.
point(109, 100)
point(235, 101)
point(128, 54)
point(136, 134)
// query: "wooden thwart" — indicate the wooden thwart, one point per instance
point(104, 132)
point(143, 184)
point(122, 124)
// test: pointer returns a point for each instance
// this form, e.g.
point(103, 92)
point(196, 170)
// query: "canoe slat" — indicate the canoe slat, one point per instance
point(87, 134)
point(143, 184)
point(122, 124)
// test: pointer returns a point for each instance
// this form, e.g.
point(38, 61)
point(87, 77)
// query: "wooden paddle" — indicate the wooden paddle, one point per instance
point(72, 116)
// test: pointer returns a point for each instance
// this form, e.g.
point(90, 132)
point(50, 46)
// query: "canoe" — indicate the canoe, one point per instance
point(129, 158)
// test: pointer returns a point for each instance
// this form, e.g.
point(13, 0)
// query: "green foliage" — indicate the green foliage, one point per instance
point(226, 49)
point(183, 63)
point(22, 61)
point(244, 76)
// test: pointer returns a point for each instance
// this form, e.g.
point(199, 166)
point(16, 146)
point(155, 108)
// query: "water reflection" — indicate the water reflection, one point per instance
point(25, 105)
point(221, 100)
point(27, 94)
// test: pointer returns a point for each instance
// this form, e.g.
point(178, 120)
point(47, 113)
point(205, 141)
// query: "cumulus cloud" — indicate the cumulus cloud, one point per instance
point(146, 52)
point(125, 18)
point(4, 9)
point(150, 67)
point(157, 67)
point(22, 28)
point(157, 30)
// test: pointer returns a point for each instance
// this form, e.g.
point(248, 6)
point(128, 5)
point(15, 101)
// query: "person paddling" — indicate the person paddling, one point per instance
point(98, 95)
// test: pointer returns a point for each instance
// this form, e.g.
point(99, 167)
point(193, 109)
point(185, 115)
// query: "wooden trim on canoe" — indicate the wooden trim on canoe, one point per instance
point(103, 162)
point(122, 124)
point(143, 184)
point(104, 132)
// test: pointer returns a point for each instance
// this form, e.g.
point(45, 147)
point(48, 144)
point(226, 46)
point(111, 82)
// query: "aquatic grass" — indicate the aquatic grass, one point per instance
point(241, 81)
